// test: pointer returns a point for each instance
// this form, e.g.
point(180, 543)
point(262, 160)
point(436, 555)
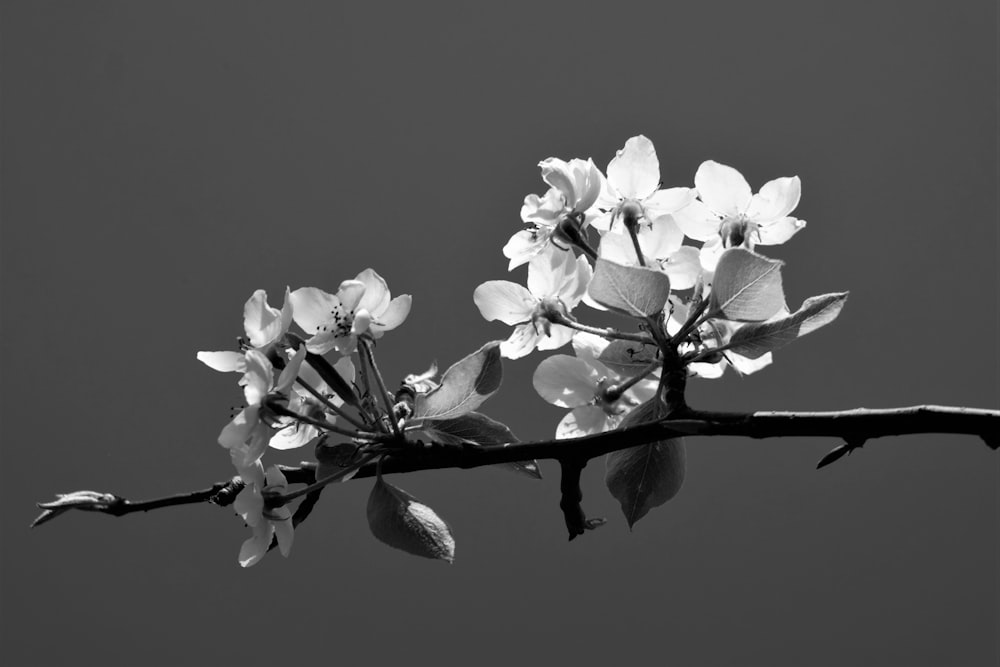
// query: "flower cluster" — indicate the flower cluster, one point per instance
point(631, 227)
point(680, 263)
point(286, 381)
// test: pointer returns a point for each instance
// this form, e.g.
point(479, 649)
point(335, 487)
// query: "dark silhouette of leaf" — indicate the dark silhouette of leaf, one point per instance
point(401, 521)
point(644, 477)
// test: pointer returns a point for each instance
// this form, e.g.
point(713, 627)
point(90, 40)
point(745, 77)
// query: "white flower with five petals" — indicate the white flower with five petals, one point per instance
point(277, 522)
point(728, 214)
point(334, 321)
point(575, 187)
point(247, 435)
point(633, 187)
point(586, 385)
point(262, 324)
point(556, 284)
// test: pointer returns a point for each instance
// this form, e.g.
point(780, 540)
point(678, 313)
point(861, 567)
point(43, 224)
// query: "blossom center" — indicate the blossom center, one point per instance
point(736, 231)
point(340, 323)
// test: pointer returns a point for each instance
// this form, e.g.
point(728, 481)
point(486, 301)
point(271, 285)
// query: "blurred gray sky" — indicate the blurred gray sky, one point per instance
point(162, 161)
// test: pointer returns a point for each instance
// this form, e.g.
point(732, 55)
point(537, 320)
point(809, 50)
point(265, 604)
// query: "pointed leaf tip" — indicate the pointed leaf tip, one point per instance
point(398, 519)
point(832, 456)
point(756, 339)
point(644, 477)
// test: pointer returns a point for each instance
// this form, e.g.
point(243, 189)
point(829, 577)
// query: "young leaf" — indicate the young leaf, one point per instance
point(630, 290)
point(475, 428)
point(644, 477)
point(756, 339)
point(627, 357)
point(464, 386)
point(746, 287)
point(332, 458)
point(401, 521)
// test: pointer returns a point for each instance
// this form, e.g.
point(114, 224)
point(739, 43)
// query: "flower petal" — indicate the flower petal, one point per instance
point(662, 238)
point(505, 301)
point(548, 270)
point(376, 295)
point(697, 221)
point(574, 286)
point(259, 376)
point(525, 244)
point(602, 222)
point(775, 200)
point(290, 371)
point(581, 421)
point(324, 341)
point(545, 210)
point(256, 547)
point(559, 174)
point(665, 202)
point(566, 381)
point(292, 435)
point(521, 342)
point(285, 533)
point(237, 432)
point(394, 314)
point(617, 247)
point(225, 361)
point(313, 308)
point(683, 268)
point(262, 323)
point(558, 336)
point(745, 365)
point(249, 504)
point(779, 231)
point(722, 188)
point(710, 254)
point(350, 294)
point(635, 171)
point(589, 346)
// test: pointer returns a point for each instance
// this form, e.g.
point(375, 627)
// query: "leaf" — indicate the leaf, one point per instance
point(756, 339)
point(644, 477)
point(333, 379)
point(332, 458)
point(627, 357)
point(398, 519)
point(630, 290)
point(475, 428)
point(746, 287)
point(464, 386)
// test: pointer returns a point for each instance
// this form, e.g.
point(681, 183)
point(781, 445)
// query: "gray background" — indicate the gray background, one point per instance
point(160, 162)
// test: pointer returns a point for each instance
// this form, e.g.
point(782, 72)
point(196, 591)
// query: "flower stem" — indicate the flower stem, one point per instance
point(383, 392)
point(340, 412)
point(617, 390)
point(635, 242)
point(694, 320)
point(279, 499)
point(604, 333)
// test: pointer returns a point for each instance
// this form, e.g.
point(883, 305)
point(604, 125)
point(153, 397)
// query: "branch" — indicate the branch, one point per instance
point(853, 426)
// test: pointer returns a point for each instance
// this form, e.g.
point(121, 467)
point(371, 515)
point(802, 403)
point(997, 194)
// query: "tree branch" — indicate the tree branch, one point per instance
point(853, 426)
